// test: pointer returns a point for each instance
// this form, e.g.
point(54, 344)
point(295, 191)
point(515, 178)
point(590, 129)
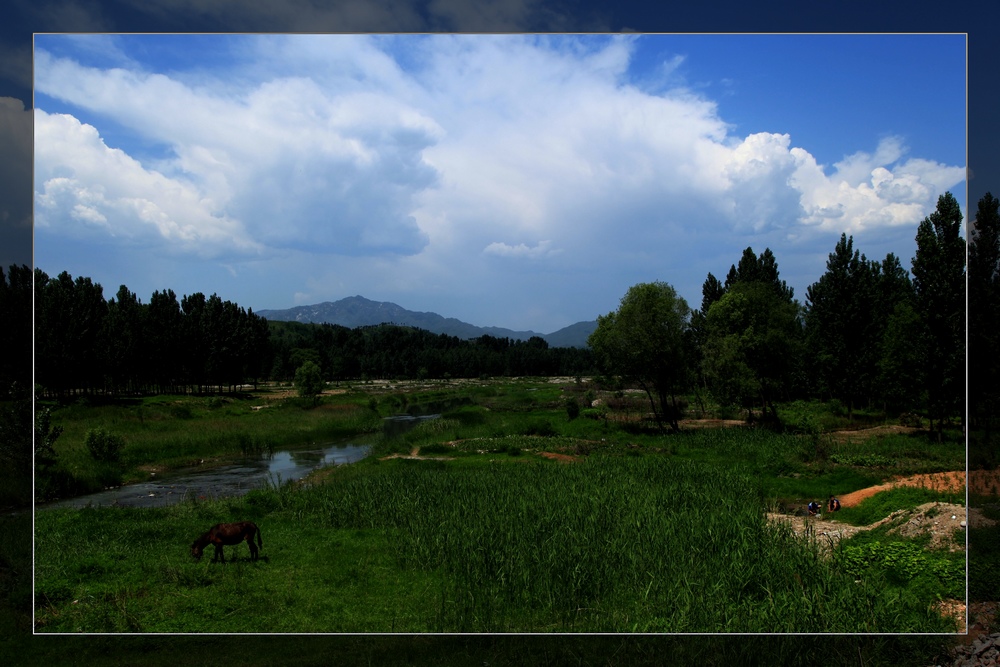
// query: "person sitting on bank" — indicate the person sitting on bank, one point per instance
point(813, 508)
point(833, 504)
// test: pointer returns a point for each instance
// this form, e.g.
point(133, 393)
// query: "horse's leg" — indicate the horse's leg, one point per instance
point(219, 556)
point(253, 547)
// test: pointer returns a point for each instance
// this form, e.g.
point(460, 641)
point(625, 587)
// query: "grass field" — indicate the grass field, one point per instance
point(642, 532)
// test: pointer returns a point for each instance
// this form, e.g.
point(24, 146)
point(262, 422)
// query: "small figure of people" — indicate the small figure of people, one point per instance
point(813, 508)
point(833, 504)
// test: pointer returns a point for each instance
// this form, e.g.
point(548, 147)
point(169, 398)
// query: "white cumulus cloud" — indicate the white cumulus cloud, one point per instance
point(83, 187)
point(418, 162)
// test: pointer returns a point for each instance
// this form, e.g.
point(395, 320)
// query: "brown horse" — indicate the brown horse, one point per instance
point(228, 533)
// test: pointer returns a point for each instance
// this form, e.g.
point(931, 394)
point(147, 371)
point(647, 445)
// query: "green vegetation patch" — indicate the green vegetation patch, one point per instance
point(906, 564)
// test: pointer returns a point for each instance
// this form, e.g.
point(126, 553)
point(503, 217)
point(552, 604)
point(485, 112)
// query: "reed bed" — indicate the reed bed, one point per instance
point(610, 544)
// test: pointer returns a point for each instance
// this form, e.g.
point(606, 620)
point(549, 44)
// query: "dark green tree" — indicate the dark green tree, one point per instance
point(939, 286)
point(752, 346)
point(162, 342)
point(69, 324)
point(758, 269)
point(644, 342)
point(984, 330)
point(842, 331)
point(309, 381)
point(901, 360)
point(123, 332)
point(897, 333)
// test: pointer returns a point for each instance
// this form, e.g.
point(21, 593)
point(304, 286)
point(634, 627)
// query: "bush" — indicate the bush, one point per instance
point(309, 380)
point(542, 427)
point(104, 446)
point(906, 563)
point(572, 408)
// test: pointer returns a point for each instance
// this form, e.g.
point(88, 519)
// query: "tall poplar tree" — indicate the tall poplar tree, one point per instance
point(984, 328)
point(840, 325)
point(939, 285)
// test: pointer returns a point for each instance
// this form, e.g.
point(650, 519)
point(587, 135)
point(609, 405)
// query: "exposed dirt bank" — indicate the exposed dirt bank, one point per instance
point(981, 482)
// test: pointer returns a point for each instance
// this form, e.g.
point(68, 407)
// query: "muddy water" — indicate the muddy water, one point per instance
point(233, 479)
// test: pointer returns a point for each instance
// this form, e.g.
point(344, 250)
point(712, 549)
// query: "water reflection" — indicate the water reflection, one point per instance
point(234, 479)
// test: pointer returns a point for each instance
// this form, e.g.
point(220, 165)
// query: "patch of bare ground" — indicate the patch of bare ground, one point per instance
point(859, 435)
point(709, 423)
point(414, 455)
point(564, 458)
point(275, 394)
point(981, 482)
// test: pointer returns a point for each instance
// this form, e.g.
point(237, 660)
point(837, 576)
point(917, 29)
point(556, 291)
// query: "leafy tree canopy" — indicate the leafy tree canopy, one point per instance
point(644, 342)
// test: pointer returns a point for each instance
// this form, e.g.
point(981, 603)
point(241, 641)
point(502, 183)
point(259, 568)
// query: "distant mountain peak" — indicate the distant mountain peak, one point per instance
point(358, 311)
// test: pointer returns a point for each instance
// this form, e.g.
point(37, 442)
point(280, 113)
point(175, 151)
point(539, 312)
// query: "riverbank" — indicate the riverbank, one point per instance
point(162, 434)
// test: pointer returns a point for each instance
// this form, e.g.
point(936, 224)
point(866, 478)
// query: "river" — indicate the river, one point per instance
point(233, 479)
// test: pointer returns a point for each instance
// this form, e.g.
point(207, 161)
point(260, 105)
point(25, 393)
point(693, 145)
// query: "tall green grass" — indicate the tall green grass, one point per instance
point(610, 544)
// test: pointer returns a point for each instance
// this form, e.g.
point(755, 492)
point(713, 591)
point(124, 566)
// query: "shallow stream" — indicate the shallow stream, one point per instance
point(234, 479)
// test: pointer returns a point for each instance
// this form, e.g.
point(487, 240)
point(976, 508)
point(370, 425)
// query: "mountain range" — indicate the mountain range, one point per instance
point(357, 311)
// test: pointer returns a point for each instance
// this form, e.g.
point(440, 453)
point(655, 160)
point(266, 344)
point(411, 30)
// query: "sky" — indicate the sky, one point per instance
point(522, 181)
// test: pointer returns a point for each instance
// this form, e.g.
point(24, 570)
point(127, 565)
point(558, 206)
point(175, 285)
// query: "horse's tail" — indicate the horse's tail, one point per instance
point(260, 540)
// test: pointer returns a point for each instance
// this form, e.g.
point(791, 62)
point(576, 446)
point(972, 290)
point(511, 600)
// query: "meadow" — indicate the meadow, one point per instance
point(520, 514)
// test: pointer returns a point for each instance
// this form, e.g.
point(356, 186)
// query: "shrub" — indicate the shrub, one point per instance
point(309, 380)
point(905, 563)
point(541, 427)
point(572, 408)
point(104, 446)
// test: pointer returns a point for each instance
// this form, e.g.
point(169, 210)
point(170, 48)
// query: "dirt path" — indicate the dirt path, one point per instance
point(982, 482)
point(939, 519)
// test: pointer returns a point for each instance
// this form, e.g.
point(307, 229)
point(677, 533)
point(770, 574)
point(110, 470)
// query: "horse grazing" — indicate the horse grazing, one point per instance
point(228, 533)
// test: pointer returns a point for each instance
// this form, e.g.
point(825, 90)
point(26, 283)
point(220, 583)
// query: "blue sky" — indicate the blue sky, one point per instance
point(515, 181)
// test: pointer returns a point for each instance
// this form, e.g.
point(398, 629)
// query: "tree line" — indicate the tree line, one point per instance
point(390, 351)
point(88, 345)
point(868, 334)
point(85, 344)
